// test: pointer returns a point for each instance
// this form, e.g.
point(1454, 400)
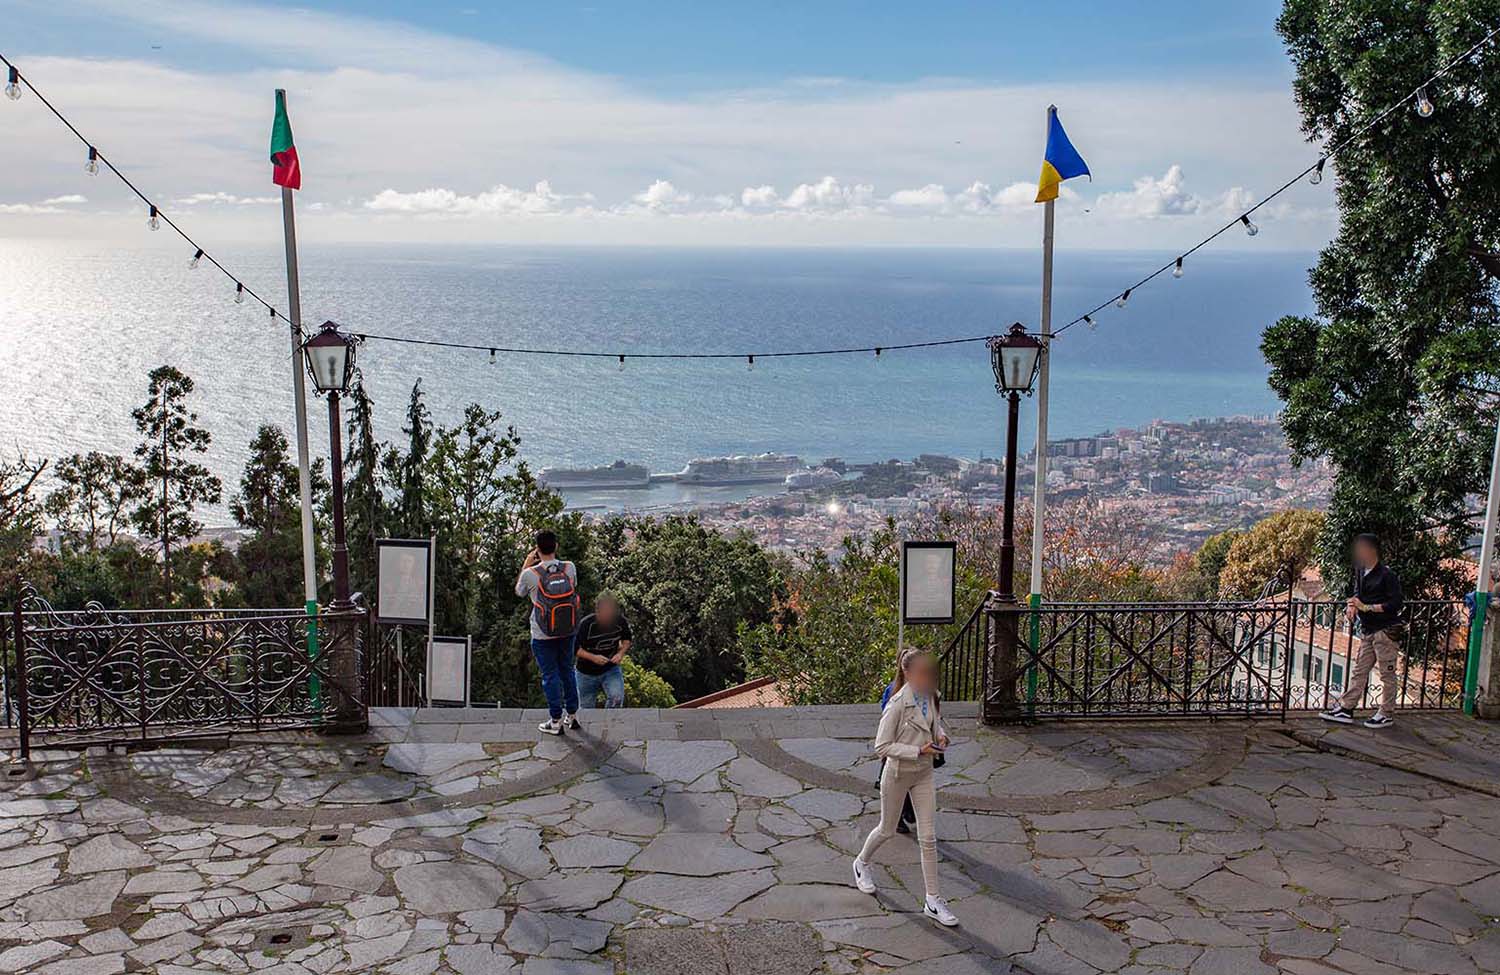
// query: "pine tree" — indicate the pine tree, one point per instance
point(366, 512)
point(269, 505)
point(175, 485)
point(414, 519)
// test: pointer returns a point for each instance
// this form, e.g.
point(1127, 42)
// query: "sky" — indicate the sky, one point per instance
point(661, 122)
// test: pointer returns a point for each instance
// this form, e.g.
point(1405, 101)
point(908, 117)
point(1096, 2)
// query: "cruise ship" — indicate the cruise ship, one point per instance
point(616, 475)
point(741, 469)
point(812, 477)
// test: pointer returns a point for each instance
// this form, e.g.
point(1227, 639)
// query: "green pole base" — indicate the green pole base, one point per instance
point(1476, 647)
point(314, 685)
point(1035, 602)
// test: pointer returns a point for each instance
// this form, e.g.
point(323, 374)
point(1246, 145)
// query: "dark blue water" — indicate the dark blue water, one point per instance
point(83, 325)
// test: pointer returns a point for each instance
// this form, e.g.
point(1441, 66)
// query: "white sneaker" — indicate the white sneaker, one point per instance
point(862, 877)
point(571, 722)
point(937, 909)
point(551, 726)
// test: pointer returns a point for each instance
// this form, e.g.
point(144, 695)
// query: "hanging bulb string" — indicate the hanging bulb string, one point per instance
point(97, 155)
point(1242, 219)
point(747, 357)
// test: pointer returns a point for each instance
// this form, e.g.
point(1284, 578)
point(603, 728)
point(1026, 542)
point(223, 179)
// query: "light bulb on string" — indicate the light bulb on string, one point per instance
point(1317, 173)
point(621, 366)
point(239, 293)
point(492, 357)
point(877, 355)
point(197, 259)
point(1250, 228)
point(749, 363)
point(1425, 108)
point(1177, 269)
point(1124, 297)
point(1089, 321)
point(91, 166)
point(154, 221)
point(13, 85)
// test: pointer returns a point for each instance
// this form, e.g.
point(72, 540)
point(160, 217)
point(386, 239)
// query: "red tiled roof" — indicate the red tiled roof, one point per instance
point(759, 693)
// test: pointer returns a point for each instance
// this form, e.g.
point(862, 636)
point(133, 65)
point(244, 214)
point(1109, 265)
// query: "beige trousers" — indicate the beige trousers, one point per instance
point(1379, 648)
point(894, 788)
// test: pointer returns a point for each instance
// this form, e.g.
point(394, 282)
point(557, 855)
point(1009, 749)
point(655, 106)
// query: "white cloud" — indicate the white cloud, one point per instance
point(67, 199)
point(662, 195)
point(499, 200)
point(51, 205)
point(226, 199)
point(929, 197)
point(828, 195)
point(759, 196)
point(1169, 197)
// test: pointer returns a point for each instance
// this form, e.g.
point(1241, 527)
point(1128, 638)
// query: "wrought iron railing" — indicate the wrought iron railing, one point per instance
point(98, 675)
point(1259, 658)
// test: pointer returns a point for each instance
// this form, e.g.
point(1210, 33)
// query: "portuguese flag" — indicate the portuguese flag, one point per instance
point(285, 169)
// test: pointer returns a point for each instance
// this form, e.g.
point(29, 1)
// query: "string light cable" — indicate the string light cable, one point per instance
point(1313, 173)
point(155, 216)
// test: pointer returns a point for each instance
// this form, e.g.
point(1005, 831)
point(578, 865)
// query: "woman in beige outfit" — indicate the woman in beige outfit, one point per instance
point(911, 734)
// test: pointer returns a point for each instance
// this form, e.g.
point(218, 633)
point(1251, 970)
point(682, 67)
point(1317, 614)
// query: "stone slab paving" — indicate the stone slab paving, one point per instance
point(457, 843)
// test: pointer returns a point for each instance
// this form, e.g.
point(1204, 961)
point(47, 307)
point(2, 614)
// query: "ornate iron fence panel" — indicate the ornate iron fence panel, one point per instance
point(101, 676)
point(396, 665)
point(1253, 659)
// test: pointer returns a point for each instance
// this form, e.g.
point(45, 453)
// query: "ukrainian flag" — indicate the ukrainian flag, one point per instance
point(1060, 162)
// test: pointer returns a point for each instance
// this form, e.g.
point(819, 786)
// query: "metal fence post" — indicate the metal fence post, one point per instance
point(24, 722)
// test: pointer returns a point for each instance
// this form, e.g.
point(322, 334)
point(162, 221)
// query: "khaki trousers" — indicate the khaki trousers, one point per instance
point(895, 786)
point(1376, 648)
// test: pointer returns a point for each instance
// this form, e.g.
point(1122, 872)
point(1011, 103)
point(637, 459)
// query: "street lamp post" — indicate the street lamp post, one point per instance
point(330, 361)
point(1015, 358)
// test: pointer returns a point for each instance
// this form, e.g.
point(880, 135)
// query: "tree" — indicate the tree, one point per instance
point(269, 505)
point(1388, 381)
point(366, 511)
point(1208, 565)
point(644, 688)
point(412, 506)
point(175, 486)
point(1274, 551)
point(687, 588)
point(91, 504)
point(20, 517)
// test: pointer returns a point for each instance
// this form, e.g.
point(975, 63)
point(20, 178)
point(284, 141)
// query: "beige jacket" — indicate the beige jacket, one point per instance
point(904, 730)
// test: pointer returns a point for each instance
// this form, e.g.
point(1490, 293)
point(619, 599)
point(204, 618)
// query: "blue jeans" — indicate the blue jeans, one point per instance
point(611, 682)
point(554, 658)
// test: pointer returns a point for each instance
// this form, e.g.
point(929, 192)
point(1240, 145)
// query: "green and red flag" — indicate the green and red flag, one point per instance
point(285, 169)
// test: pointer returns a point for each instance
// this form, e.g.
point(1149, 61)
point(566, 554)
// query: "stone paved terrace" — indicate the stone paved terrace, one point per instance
point(719, 842)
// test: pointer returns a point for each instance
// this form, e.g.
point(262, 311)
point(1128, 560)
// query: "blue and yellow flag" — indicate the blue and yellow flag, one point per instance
point(1060, 162)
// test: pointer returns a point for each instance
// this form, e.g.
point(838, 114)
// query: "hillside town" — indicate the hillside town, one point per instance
point(1186, 480)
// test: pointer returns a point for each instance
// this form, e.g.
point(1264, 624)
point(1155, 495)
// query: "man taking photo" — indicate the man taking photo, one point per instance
point(1376, 603)
point(603, 641)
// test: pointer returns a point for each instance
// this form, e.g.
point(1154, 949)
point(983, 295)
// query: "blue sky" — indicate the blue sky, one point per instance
point(664, 122)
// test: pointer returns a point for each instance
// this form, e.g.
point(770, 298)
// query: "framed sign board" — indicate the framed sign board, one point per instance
point(403, 581)
point(928, 581)
point(448, 670)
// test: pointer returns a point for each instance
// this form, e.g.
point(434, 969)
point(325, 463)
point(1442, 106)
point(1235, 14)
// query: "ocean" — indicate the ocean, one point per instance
point(83, 324)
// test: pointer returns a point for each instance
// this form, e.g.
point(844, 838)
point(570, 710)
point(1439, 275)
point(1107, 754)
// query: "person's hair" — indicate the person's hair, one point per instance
point(546, 542)
point(605, 596)
point(904, 660)
point(1372, 540)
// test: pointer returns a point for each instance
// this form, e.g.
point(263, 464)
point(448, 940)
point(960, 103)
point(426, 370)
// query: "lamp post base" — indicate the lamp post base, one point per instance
point(1002, 670)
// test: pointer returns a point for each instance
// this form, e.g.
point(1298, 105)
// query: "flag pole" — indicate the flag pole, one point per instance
point(299, 396)
point(1039, 495)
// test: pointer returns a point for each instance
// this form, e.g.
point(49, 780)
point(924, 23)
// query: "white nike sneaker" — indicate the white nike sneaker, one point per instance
point(551, 726)
point(862, 878)
point(937, 909)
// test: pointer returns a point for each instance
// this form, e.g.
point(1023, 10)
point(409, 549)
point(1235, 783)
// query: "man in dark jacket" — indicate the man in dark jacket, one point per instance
point(1376, 603)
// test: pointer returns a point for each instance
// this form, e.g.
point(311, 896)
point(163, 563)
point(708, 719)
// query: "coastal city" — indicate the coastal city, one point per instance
point(1185, 480)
